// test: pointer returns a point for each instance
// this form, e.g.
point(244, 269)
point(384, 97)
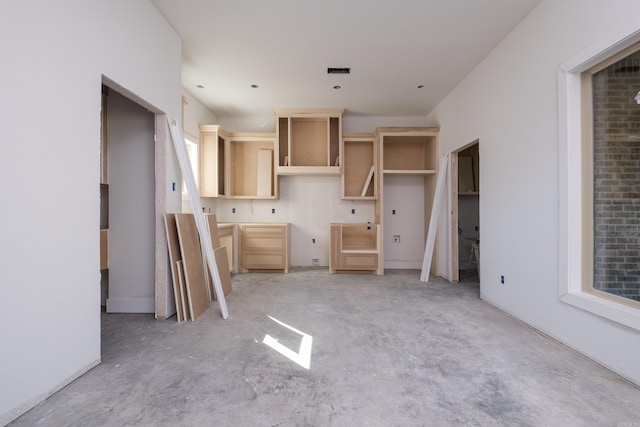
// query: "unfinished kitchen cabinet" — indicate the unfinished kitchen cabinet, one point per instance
point(265, 246)
point(355, 247)
point(308, 141)
point(251, 166)
point(359, 167)
point(212, 158)
point(407, 151)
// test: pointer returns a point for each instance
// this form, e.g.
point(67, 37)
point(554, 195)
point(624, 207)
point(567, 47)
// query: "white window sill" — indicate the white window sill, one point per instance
point(611, 310)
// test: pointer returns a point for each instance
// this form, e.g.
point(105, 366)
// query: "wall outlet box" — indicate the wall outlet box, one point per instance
point(315, 262)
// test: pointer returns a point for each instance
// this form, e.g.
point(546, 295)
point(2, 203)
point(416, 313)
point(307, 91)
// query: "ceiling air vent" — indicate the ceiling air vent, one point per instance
point(338, 70)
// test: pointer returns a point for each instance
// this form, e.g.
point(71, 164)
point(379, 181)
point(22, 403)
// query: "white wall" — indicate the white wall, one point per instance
point(54, 56)
point(510, 103)
point(404, 194)
point(309, 203)
point(131, 206)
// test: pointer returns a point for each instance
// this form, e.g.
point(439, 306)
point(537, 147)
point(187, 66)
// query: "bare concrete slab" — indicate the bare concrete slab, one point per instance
point(385, 351)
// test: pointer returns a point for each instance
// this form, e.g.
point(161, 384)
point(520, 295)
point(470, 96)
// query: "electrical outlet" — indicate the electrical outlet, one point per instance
point(502, 280)
point(353, 211)
point(393, 212)
point(233, 210)
point(273, 210)
point(396, 238)
point(315, 262)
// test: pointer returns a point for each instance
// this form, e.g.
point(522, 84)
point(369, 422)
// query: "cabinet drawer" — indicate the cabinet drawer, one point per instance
point(264, 229)
point(359, 261)
point(263, 242)
point(264, 260)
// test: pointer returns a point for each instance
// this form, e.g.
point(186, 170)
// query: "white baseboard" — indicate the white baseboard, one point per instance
point(403, 265)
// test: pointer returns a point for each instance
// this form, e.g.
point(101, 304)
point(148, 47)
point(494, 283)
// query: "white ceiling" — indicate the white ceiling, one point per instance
point(285, 47)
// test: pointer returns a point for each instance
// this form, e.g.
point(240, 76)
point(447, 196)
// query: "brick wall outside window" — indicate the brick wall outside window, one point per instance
point(617, 178)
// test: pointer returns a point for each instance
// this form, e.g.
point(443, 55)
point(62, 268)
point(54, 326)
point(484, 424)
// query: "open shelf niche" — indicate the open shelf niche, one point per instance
point(359, 167)
point(308, 141)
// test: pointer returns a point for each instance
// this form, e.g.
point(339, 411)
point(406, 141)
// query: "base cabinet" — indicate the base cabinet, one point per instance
point(265, 246)
point(354, 247)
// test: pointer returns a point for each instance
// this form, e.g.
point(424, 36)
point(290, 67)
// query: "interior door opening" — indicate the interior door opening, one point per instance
point(465, 214)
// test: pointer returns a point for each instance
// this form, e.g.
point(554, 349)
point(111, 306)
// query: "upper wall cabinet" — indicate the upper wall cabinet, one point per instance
point(237, 165)
point(308, 141)
point(251, 166)
point(359, 167)
point(408, 150)
point(212, 148)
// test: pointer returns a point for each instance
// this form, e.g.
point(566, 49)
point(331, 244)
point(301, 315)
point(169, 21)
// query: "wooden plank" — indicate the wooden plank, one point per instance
point(190, 182)
point(174, 257)
point(433, 223)
point(212, 223)
point(223, 267)
point(367, 183)
point(193, 267)
point(182, 284)
point(104, 249)
point(455, 267)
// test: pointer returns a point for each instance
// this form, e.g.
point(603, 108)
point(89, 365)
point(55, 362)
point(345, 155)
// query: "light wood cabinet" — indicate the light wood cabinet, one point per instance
point(359, 167)
point(251, 171)
point(408, 151)
point(237, 165)
point(265, 246)
point(212, 161)
point(308, 141)
point(355, 247)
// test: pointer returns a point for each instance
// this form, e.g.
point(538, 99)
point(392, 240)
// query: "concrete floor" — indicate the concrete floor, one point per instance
point(387, 351)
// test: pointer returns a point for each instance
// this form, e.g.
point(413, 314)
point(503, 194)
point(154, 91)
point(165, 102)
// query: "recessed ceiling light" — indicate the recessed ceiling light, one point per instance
point(255, 86)
point(420, 86)
point(336, 87)
point(200, 87)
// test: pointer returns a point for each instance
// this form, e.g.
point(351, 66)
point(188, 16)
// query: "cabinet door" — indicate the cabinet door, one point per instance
point(359, 261)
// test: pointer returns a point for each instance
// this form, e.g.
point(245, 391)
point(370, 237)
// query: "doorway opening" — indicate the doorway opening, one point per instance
point(132, 192)
point(465, 214)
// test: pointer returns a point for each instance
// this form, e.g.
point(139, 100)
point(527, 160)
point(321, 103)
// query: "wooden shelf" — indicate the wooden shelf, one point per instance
point(359, 167)
point(308, 170)
point(409, 172)
point(308, 141)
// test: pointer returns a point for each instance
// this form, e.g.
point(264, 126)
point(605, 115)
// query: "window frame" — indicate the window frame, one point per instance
point(576, 179)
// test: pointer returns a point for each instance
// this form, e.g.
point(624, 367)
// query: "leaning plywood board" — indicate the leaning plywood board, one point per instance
point(212, 223)
point(193, 267)
point(223, 268)
point(174, 257)
point(183, 285)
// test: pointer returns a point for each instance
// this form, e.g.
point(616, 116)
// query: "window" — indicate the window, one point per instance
point(192, 152)
point(599, 171)
point(609, 93)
